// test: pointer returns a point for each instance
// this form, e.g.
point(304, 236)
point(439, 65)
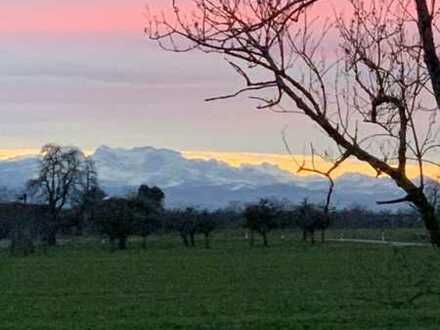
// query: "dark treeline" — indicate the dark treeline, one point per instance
point(65, 199)
point(142, 214)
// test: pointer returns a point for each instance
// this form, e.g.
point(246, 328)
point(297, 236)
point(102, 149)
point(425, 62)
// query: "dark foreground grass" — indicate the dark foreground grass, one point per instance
point(286, 286)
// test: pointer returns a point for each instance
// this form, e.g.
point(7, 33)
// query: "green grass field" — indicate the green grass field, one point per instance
point(290, 285)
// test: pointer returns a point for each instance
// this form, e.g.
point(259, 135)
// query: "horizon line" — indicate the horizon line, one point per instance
point(283, 161)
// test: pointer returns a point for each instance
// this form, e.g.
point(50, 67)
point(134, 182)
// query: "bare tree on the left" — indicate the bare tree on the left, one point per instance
point(60, 172)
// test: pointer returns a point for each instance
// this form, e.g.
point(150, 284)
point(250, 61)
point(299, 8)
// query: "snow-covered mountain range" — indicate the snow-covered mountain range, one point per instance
point(207, 183)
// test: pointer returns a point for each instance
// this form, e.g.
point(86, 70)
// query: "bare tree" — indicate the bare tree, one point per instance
point(261, 217)
point(425, 20)
point(321, 221)
point(372, 101)
point(59, 176)
point(310, 218)
point(206, 224)
point(87, 195)
point(184, 222)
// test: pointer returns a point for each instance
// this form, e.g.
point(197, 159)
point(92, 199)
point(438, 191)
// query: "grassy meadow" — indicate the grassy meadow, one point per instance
point(290, 285)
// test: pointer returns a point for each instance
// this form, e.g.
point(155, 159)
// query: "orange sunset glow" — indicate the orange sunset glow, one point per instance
point(285, 162)
point(12, 153)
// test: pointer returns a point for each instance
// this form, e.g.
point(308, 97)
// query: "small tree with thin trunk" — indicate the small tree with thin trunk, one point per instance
point(184, 222)
point(311, 218)
point(374, 100)
point(261, 218)
point(189, 224)
point(206, 224)
point(87, 196)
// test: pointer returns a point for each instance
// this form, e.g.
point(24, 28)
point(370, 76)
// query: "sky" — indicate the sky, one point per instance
point(82, 73)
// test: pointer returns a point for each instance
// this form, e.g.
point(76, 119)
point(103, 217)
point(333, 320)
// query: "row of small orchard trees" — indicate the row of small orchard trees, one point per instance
point(189, 222)
point(267, 215)
point(143, 215)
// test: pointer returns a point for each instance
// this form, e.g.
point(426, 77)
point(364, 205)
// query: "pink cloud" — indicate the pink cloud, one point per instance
point(60, 17)
point(72, 17)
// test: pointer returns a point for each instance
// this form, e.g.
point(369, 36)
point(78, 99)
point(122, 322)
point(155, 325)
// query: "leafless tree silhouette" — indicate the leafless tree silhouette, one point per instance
point(60, 172)
point(375, 100)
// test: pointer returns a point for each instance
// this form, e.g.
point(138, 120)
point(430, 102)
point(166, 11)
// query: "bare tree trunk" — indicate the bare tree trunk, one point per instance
point(122, 243)
point(207, 242)
point(251, 238)
point(304, 235)
point(312, 237)
point(432, 61)
point(112, 244)
point(192, 239)
point(265, 242)
point(429, 218)
point(51, 236)
point(144, 242)
point(323, 236)
point(184, 239)
point(82, 219)
point(51, 229)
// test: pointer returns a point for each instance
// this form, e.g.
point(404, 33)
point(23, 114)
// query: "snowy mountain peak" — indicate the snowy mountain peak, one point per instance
point(168, 168)
point(211, 183)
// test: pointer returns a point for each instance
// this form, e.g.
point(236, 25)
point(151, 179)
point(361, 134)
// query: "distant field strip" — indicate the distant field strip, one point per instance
point(369, 241)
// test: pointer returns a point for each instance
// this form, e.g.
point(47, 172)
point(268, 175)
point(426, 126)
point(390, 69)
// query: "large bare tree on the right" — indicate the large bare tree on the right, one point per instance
point(373, 91)
point(426, 16)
